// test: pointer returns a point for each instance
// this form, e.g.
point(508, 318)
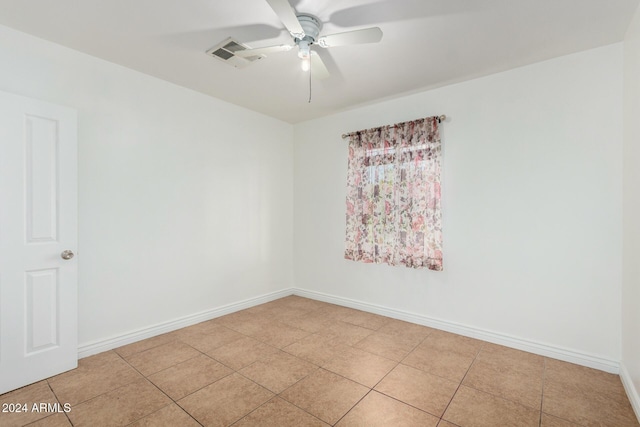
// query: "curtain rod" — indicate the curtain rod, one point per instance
point(441, 119)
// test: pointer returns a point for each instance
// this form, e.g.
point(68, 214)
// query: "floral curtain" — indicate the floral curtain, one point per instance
point(393, 195)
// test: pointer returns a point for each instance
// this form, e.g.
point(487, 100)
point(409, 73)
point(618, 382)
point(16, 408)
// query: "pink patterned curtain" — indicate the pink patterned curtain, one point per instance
point(393, 195)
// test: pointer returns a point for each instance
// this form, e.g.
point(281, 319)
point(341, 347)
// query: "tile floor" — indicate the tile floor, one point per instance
point(300, 362)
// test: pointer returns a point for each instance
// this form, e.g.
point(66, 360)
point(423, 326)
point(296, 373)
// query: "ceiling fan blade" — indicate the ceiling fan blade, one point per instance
point(318, 69)
point(262, 50)
point(367, 35)
point(287, 15)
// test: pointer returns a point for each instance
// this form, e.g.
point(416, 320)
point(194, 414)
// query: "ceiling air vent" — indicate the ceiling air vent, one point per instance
point(225, 53)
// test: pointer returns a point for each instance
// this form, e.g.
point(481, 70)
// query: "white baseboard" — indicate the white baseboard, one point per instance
point(631, 390)
point(555, 352)
point(99, 346)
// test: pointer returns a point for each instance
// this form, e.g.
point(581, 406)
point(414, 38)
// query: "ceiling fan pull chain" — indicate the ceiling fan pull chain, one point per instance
point(310, 68)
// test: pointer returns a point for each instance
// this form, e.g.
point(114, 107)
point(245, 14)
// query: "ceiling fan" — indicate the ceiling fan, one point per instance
point(305, 30)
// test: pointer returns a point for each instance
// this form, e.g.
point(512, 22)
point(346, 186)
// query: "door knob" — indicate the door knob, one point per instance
point(67, 254)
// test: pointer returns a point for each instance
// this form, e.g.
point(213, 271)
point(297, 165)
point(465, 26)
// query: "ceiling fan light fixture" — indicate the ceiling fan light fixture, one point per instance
point(304, 53)
point(306, 64)
point(304, 49)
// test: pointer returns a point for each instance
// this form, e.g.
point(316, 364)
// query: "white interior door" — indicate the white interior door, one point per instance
point(38, 221)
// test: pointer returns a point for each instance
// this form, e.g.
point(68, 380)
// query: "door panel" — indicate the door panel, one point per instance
point(41, 145)
point(38, 221)
point(41, 310)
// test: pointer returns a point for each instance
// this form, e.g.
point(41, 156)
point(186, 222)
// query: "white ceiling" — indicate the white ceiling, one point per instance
point(426, 43)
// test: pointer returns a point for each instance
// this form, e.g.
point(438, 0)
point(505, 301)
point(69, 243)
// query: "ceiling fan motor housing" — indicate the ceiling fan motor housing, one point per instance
point(311, 26)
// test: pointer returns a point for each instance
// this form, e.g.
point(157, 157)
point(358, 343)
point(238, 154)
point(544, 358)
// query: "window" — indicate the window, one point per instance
point(393, 195)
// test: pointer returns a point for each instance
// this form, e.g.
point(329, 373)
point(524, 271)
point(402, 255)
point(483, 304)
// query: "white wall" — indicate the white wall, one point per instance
point(631, 186)
point(532, 205)
point(185, 202)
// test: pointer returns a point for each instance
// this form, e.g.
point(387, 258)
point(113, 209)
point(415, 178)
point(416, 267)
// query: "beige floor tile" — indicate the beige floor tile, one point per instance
point(56, 420)
point(377, 410)
point(444, 363)
point(334, 311)
point(242, 352)
point(226, 401)
point(394, 347)
point(301, 302)
point(325, 395)
point(136, 347)
point(473, 408)
point(265, 310)
point(316, 348)
point(290, 316)
point(453, 343)
point(206, 327)
point(364, 319)
point(279, 335)
point(359, 365)
point(406, 330)
point(279, 413)
point(232, 318)
point(280, 312)
point(161, 357)
point(244, 322)
point(120, 407)
point(521, 386)
point(96, 361)
point(549, 421)
point(35, 393)
point(444, 423)
point(314, 305)
point(215, 337)
point(418, 388)
point(95, 375)
point(583, 406)
point(278, 371)
point(274, 310)
point(311, 322)
point(587, 379)
point(521, 361)
point(345, 333)
point(189, 376)
point(169, 416)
